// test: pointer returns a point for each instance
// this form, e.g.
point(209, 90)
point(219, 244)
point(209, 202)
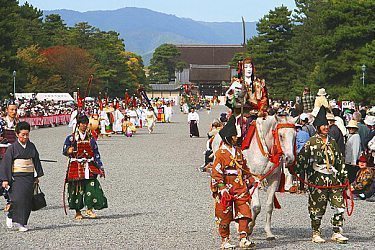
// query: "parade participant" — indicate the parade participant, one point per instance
point(363, 186)
point(249, 87)
point(104, 122)
point(19, 170)
point(229, 184)
point(168, 111)
point(128, 128)
point(118, 119)
point(133, 116)
point(73, 119)
point(84, 166)
point(94, 124)
point(150, 119)
point(9, 123)
point(352, 150)
point(193, 121)
point(324, 165)
point(7, 137)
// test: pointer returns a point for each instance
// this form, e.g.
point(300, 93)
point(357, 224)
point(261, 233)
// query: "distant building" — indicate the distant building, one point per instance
point(207, 66)
point(171, 90)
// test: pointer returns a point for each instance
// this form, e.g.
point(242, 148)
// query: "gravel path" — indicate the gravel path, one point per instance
point(158, 200)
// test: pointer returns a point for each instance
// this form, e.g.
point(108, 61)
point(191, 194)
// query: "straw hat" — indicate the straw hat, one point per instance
point(322, 91)
point(370, 120)
point(330, 117)
point(352, 124)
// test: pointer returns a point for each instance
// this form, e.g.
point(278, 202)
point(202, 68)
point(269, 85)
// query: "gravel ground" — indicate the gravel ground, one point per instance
point(158, 200)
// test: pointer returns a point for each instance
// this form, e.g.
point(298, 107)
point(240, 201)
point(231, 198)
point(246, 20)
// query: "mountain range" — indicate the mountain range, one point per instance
point(143, 30)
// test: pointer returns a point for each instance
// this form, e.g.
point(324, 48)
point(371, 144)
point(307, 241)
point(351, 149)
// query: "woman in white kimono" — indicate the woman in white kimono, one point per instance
point(150, 119)
point(117, 125)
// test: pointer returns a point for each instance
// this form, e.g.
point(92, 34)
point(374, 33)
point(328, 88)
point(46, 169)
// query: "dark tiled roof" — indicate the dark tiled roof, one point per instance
point(208, 54)
point(210, 74)
point(165, 87)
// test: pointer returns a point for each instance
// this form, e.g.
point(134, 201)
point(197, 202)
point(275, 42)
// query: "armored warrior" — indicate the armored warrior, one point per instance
point(324, 165)
point(84, 166)
point(231, 180)
point(8, 137)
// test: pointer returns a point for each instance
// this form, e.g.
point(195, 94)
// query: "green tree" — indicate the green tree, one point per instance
point(55, 31)
point(270, 51)
point(163, 63)
point(331, 42)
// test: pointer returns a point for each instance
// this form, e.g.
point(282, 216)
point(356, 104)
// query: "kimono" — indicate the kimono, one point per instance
point(9, 137)
point(117, 125)
point(84, 166)
point(364, 182)
point(226, 174)
point(150, 120)
point(193, 120)
point(20, 166)
point(324, 166)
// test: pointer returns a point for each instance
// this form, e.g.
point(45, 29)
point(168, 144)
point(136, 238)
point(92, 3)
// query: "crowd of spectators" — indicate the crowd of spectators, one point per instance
point(35, 108)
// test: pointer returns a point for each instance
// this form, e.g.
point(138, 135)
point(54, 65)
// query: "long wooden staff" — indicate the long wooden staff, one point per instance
point(242, 74)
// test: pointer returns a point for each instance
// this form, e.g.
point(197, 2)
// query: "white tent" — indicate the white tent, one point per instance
point(54, 96)
point(24, 95)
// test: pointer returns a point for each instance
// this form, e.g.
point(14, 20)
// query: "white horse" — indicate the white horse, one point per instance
point(260, 164)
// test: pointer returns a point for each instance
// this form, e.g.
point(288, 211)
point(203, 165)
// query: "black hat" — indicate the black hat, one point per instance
point(82, 119)
point(321, 118)
point(229, 129)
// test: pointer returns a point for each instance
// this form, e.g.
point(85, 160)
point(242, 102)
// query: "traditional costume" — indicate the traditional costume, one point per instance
point(104, 122)
point(150, 120)
point(168, 111)
point(247, 94)
point(128, 128)
point(20, 166)
point(84, 166)
point(118, 119)
point(133, 116)
point(230, 183)
point(324, 165)
point(364, 184)
point(193, 120)
point(7, 132)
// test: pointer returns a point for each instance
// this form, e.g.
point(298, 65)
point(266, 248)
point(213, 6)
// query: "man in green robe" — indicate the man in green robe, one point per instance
point(324, 165)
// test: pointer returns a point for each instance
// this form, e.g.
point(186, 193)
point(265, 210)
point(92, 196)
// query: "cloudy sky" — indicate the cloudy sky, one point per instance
point(201, 10)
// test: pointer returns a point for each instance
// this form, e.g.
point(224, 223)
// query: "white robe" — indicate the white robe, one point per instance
point(73, 120)
point(133, 117)
point(118, 117)
point(168, 111)
point(104, 121)
point(193, 117)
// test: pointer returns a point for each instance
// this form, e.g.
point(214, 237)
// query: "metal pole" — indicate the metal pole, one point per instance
point(14, 84)
point(363, 78)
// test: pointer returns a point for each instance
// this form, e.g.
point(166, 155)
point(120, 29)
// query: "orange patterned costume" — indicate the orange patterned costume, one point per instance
point(229, 171)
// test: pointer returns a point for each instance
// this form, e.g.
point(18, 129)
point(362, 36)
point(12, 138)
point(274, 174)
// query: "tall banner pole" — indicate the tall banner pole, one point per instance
point(243, 72)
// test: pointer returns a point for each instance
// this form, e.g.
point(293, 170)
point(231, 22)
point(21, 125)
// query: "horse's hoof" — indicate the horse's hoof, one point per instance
point(271, 237)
